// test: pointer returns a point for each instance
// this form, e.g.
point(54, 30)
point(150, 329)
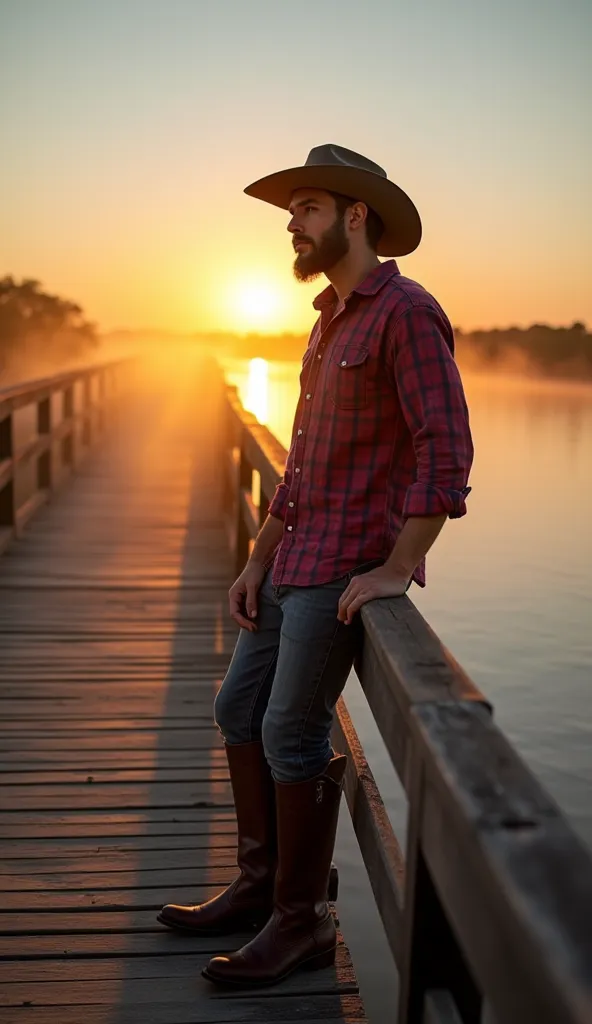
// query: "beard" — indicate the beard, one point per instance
point(333, 246)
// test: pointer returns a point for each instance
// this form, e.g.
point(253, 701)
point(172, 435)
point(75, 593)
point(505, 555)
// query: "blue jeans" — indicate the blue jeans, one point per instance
point(284, 679)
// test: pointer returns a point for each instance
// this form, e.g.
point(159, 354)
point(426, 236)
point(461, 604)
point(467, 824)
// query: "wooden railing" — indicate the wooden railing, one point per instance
point(489, 913)
point(46, 428)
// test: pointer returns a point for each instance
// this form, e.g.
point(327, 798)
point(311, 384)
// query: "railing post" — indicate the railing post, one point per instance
point(263, 506)
point(67, 413)
point(102, 401)
point(44, 462)
point(87, 425)
point(431, 956)
point(245, 484)
point(7, 493)
point(230, 495)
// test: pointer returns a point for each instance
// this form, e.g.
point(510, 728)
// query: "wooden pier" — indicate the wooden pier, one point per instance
point(114, 792)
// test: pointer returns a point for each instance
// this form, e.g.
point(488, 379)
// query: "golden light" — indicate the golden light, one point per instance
point(256, 398)
point(256, 305)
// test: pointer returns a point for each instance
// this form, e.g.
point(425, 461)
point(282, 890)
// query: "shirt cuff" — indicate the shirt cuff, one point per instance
point(427, 500)
point(278, 502)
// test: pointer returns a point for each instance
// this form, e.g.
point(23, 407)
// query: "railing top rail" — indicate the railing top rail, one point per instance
point(30, 390)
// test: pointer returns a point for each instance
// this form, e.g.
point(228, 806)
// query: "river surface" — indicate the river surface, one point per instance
point(509, 592)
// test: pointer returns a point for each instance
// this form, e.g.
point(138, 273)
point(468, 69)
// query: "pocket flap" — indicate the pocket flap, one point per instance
point(351, 356)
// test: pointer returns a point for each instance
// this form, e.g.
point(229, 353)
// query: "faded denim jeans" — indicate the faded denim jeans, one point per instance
point(284, 679)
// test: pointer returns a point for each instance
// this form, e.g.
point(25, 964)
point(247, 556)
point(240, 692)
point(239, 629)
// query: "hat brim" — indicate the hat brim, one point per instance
point(402, 224)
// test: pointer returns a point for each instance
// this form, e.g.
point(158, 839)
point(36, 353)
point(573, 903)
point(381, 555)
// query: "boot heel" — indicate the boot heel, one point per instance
point(322, 960)
point(333, 887)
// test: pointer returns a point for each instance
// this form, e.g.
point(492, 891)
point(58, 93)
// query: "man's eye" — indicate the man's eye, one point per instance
point(307, 208)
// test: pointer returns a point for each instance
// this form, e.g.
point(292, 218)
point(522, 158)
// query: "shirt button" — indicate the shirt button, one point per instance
point(290, 528)
point(319, 356)
point(344, 362)
point(291, 504)
point(297, 470)
point(299, 433)
point(308, 397)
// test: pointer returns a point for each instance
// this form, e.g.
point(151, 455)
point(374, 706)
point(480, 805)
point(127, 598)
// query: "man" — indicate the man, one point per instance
point(380, 457)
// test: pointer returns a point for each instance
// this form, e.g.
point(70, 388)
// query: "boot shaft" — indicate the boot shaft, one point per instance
point(307, 816)
point(254, 801)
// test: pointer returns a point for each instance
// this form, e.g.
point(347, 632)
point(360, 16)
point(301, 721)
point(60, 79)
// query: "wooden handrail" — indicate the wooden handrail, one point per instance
point(488, 914)
point(71, 411)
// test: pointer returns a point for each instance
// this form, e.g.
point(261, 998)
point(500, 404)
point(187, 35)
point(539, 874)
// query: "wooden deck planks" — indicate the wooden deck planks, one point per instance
point(114, 791)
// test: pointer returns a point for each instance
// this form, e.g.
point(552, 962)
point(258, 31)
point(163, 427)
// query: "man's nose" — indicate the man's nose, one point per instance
point(293, 226)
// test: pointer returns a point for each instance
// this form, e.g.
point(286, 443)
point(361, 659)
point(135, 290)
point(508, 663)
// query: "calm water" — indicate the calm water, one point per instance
point(509, 592)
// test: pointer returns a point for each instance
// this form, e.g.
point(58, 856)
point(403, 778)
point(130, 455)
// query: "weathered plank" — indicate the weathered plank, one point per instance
point(149, 989)
point(78, 825)
point(495, 843)
point(72, 848)
point(203, 1008)
point(112, 776)
point(140, 898)
point(25, 760)
point(138, 879)
point(379, 846)
point(103, 862)
point(146, 816)
point(154, 740)
point(157, 794)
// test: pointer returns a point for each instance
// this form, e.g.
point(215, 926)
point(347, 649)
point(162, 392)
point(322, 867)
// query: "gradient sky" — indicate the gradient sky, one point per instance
point(130, 127)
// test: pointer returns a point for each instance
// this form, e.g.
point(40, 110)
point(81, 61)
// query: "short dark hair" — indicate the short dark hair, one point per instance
point(374, 225)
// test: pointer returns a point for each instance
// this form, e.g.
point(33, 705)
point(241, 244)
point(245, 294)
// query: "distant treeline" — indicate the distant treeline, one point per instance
point(39, 332)
point(545, 350)
point(539, 349)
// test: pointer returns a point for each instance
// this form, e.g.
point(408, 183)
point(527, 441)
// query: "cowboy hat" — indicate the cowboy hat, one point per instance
point(336, 169)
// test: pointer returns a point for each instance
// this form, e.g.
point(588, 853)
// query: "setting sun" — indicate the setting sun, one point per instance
point(256, 305)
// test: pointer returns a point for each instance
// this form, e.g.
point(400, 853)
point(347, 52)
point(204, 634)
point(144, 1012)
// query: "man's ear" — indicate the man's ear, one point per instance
point(357, 215)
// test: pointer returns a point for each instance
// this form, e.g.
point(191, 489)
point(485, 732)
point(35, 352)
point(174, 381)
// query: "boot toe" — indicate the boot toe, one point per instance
point(177, 917)
point(227, 970)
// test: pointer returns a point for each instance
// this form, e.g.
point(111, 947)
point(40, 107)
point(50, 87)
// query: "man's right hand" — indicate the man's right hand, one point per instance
point(242, 595)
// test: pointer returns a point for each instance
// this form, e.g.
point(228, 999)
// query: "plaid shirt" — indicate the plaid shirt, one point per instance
point(381, 430)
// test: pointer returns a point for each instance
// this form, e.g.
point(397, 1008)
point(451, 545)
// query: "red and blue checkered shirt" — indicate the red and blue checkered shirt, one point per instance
point(381, 431)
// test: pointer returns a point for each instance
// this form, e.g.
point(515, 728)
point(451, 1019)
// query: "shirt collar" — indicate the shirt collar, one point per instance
point(371, 284)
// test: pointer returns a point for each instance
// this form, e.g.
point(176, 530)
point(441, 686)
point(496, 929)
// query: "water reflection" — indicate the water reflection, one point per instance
point(257, 389)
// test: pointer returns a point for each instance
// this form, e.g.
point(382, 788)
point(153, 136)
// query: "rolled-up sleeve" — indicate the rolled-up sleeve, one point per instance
point(277, 504)
point(435, 410)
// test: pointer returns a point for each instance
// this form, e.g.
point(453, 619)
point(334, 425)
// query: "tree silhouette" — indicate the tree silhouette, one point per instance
point(35, 324)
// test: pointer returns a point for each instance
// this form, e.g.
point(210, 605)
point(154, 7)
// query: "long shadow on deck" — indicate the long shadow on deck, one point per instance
point(202, 641)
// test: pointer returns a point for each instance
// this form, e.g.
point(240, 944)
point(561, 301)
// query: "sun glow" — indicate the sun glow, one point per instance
point(257, 306)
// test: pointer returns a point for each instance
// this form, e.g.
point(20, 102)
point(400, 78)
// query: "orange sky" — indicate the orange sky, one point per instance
point(135, 127)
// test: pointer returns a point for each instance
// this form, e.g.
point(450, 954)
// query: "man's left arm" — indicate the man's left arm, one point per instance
point(435, 410)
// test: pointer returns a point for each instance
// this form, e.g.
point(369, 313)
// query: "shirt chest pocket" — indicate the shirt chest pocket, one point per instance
point(348, 378)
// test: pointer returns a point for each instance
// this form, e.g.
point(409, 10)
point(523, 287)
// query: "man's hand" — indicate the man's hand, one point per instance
point(368, 586)
point(242, 595)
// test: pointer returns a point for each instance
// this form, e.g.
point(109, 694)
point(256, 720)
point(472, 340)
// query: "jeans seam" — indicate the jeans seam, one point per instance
point(256, 695)
point(311, 702)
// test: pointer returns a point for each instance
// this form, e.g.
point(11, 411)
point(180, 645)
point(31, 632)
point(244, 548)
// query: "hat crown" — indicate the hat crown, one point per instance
point(331, 155)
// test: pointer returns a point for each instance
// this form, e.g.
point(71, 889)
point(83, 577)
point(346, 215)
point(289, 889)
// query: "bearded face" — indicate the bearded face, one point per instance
point(315, 258)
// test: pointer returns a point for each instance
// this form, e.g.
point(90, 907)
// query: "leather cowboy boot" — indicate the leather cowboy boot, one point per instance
point(301, 931)
point(248, 901)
